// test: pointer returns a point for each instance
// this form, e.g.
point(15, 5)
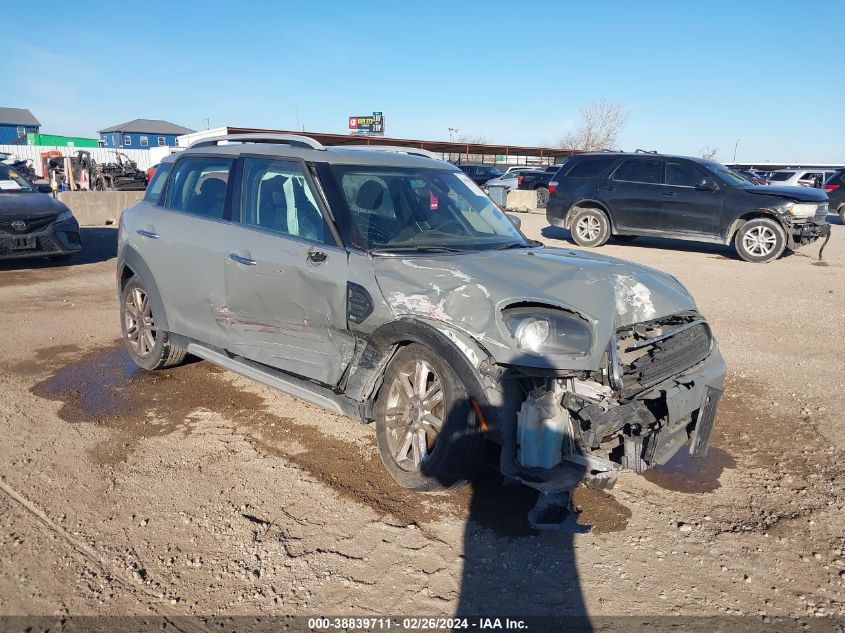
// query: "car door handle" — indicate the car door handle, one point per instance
point(667, 193)
point(610, 188)
point(317, 257)
point(149, 234)
point(246, 261)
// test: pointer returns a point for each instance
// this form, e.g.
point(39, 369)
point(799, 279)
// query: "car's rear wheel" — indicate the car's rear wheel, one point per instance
point(148, 346)
point(542, 196)
point(590, 227)
point(426, 427)
point(760, 240)
point(842, 214)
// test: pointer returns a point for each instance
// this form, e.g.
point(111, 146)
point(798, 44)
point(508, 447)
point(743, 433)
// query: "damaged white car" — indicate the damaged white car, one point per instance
point(384, 285)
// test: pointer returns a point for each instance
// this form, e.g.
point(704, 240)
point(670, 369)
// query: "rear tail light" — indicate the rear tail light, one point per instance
point(552, 186)
point(831, 187)
point(519, 180)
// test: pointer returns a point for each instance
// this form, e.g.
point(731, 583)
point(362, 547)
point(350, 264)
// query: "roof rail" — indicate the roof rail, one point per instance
point(645, 151)
point(397, 149)
point(294, 140)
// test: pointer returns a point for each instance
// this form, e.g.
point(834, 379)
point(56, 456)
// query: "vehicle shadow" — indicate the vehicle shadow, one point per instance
point(511, 570)
point(720, 251)
point(99, 244)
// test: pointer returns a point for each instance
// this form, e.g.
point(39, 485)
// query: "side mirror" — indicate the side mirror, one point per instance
point(515, 220)
point(707, 184)
point(42, 188)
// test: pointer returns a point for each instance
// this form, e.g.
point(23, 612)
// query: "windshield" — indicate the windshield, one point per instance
point(12, 182)
point(402, 209)
point(730, 176)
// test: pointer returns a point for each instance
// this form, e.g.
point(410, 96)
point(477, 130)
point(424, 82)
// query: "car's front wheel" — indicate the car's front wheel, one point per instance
point(148, 346)
point(760, 240)
point(426, 427)
point(590, 227)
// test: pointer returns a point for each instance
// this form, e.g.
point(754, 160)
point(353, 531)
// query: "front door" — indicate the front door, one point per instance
point(286, 276)
point(632, 194)
point(686, 208)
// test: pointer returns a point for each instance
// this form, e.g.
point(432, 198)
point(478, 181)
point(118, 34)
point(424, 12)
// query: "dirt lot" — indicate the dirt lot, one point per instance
point(196, 491)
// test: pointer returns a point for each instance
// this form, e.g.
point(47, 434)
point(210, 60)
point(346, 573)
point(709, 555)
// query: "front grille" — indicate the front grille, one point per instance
point(821, 213)
point(43, 246)
point(649, 353)
point(33, 224)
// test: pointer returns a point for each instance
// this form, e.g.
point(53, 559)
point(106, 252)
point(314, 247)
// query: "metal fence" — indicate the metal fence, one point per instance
point(99, 154)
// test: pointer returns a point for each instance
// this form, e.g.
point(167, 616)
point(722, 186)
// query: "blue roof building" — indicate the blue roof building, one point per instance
point(142, 134)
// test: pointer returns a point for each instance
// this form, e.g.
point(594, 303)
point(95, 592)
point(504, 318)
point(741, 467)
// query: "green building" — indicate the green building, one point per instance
point(60, 141)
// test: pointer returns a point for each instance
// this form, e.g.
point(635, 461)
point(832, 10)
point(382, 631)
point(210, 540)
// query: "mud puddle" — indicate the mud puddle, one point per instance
point(105, 387)
point(688, 474)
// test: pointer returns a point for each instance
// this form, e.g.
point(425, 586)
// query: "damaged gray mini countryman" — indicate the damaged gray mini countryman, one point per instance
point(384, 285)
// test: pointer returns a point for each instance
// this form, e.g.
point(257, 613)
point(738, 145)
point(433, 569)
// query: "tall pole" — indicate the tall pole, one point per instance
point(735, 146)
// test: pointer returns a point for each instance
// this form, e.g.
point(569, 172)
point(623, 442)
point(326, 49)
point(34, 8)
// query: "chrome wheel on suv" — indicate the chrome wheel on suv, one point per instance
point(760, 240)
point(138, 323)
point(148, 346)
point(590, 227)
point(414, 414)
point(426, 426)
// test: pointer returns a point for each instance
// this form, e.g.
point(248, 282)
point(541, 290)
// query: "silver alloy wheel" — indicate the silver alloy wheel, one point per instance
point(140, 326)
point(760, 241)
point(542, 196)
point(414, 414)
point(588, 228)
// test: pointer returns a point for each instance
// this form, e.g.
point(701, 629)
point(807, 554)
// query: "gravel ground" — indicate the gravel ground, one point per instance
point(194, 491)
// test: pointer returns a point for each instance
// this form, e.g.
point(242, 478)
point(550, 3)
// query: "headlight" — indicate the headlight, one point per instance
point(801, 209)
point(65, 215)
point(544, 330)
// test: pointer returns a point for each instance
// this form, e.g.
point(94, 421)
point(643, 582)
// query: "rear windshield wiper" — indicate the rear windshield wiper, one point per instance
point(417, 249)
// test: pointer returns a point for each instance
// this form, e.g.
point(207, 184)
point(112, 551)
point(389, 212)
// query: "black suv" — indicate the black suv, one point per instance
point(602, 194)
point(835, 188)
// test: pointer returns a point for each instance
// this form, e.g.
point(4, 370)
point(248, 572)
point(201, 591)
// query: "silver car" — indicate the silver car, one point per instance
point(385, 286)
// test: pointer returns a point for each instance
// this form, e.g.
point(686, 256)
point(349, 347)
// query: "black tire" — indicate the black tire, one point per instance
point(542, 197)
point(161, 353)
point(590, 227)
point(760, 240)
point(452, 456)
point(842, 214)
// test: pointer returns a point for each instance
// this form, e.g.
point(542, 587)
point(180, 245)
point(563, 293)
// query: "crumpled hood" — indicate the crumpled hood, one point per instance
point(28, 204)
point(468, 291)
point(801, 194)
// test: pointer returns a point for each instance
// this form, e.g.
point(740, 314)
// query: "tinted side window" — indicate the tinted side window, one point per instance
point(156, 186)
point(277, 197)
point(682, 174)
point(198, 186)
point(589, 168)
point(780, 176)
point(646, 170)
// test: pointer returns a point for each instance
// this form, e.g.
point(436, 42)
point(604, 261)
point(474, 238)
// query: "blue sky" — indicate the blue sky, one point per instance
point(689, 73)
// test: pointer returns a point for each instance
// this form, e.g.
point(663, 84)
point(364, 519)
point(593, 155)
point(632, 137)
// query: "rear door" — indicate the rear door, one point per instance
point(684, 207)
point(182, 241)
point(632, 194)
point(286, 275)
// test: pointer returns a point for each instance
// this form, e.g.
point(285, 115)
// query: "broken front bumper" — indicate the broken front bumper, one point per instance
point(806, 233)
point(633, 432)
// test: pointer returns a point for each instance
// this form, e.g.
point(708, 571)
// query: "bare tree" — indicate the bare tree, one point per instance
point(708, 152)
point(472, 140)
point(601, 122)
